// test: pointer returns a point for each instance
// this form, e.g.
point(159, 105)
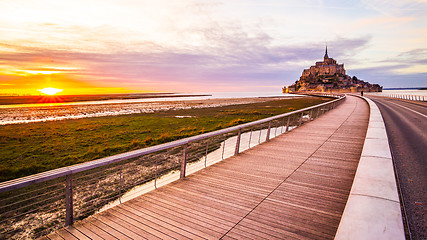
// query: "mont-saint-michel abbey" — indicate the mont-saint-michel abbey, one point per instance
point(328, 76)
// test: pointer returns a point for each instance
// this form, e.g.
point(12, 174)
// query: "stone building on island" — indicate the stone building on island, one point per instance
point(327, 76)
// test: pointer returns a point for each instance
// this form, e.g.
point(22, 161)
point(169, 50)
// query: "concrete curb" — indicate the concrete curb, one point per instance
point(373, 207)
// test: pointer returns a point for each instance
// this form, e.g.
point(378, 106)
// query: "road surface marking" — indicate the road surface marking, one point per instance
point(409, 109)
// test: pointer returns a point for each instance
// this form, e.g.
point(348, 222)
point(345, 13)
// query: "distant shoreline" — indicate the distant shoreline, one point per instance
point(12, 100)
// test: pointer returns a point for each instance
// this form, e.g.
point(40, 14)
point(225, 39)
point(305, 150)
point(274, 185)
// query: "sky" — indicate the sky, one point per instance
point(124, 46)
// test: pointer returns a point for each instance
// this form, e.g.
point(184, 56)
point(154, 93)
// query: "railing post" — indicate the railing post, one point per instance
point(300, 119)
point(311, 114)
point(236, 150)
point(206, 154)
point(184, 162)
point(287, 124)
point(281, 130)
point(267, 138)
point(275, 132)
point(69, 200)
point(120, 181)
point(155, 177)
point(223, 149)
point(250, 138)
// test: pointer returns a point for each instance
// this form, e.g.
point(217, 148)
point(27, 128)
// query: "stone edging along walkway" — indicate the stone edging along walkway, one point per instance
point(373, 207)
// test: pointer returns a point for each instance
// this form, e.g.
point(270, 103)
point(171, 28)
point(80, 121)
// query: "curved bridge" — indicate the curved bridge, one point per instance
point(264, 192)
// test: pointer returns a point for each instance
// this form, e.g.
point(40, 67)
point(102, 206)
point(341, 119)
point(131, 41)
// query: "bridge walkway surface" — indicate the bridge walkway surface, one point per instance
point(294, 186)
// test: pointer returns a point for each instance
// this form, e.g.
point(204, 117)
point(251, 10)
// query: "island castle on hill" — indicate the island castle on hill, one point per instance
point(328, 76)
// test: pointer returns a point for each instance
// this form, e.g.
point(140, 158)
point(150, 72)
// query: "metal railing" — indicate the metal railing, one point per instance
point(36, 205)
point(417, 98)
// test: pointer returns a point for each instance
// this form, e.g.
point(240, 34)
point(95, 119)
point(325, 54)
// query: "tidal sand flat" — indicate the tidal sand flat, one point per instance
point(40, 146)
point(16, 115)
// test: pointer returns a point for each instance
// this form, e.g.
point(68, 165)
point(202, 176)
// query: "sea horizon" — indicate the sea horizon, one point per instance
point(184, 96)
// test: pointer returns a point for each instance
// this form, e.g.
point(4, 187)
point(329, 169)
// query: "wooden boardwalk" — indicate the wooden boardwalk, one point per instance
point(295, 186)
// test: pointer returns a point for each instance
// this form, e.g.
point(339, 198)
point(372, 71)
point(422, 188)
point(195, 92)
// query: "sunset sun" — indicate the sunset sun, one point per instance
point(50, 91)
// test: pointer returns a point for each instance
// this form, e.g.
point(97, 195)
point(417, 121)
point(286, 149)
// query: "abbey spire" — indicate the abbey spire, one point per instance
point(326, 53)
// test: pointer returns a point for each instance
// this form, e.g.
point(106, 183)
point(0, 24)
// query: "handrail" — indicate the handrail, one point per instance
point(56, 173)
point(417, 98)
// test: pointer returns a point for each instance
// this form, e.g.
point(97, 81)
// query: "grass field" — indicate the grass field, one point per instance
point(31, 148)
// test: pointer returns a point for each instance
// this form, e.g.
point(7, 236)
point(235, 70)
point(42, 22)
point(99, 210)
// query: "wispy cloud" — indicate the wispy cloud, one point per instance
point(236, 58)
point(170, 46)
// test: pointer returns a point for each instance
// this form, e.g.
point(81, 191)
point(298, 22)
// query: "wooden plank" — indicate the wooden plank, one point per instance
point(76, 233)
point(218, 204)
point(65, 234)
point(256, 186)
point(126, 226)
point(228, 238)
point(86, 231)
point(300, 196)
point(197, 228)
point(200, 206)
point(222, 198)
point(121, 226)
point(185, 215)
point(54, 236)
point(170, 222)
point(260, 226)
point(248, 233)
point(89, 224)
point(253, 174)
point(235, 188)
point(151, 233)
point(229, 186)
point(223, 193)
point(107, 228)
point(296, 215)
point(228, 175)
point(165, 228)
point(191, 210)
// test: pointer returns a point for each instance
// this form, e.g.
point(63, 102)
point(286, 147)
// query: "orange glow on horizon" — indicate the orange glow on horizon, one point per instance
point(50, 91)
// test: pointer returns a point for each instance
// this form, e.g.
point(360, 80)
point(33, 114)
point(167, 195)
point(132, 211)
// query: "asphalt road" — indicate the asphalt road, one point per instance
point(406, 124)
